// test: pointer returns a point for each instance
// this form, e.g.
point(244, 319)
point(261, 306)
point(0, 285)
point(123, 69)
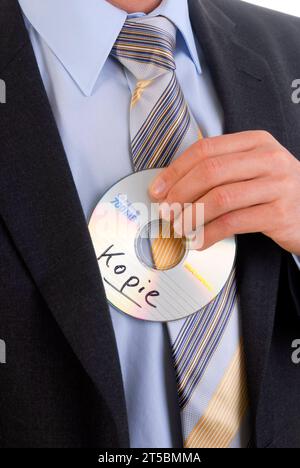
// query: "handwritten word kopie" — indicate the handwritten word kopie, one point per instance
point(131, 283)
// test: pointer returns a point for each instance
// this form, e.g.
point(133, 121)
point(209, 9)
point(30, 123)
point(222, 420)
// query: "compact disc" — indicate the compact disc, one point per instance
point(135, 287)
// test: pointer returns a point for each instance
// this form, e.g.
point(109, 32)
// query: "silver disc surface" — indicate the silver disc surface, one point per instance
point(132, 286)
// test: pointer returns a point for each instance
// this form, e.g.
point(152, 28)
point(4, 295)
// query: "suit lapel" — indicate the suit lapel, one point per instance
point(250, 101)
point(43, 215)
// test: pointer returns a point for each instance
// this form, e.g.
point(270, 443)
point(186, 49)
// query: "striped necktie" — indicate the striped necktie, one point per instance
point(206, 348)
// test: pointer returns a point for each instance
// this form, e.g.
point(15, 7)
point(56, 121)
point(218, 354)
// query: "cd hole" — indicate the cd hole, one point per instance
point(157, 246)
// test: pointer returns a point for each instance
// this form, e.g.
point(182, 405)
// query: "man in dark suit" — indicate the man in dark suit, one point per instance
point(61, 385)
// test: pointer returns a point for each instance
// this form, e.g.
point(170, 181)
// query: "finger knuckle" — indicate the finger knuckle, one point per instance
point(172, 172)
point(209, 168)
point(264, 136)
point(278, 160)
point(205, 147)
point(282, 162)
point(222, 198)
point(227, 224)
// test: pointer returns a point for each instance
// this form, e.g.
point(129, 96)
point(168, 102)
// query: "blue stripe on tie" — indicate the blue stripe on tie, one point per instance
point(208, 325)
point(150, 148)
point(145, 43)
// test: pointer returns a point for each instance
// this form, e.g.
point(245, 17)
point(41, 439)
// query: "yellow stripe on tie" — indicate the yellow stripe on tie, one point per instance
point(138, 92)
point(167, 252)
point(226, 410)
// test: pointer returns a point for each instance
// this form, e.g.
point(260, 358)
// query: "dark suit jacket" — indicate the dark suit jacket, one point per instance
point(61, 385)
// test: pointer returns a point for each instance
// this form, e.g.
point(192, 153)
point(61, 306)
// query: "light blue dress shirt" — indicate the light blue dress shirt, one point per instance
point(90, 93)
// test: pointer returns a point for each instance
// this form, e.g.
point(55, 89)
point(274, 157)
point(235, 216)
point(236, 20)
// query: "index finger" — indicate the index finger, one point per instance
point(204, 148)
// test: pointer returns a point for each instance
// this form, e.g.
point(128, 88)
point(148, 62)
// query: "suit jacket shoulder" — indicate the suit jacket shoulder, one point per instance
point(266, 29)
point(273, 37)
point(256, 16)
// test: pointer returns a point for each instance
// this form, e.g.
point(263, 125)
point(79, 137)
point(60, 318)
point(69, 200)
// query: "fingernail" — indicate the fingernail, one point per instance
point(158, 187)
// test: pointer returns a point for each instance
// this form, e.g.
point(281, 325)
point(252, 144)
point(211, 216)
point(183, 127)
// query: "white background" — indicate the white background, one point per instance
point(291, 7)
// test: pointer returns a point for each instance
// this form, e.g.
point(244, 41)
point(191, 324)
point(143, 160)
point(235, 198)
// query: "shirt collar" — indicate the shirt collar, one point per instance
point(82, 33)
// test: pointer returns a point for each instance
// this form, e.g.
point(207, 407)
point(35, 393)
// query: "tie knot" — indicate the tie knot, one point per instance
point(145, 46)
